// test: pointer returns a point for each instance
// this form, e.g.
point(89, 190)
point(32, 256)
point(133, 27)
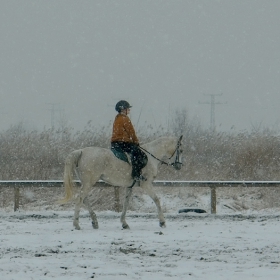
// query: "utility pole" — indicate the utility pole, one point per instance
point(212, 104)
point(54, 108)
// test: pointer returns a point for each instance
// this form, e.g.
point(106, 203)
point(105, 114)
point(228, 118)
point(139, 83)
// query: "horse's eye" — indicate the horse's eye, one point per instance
point(181, 151)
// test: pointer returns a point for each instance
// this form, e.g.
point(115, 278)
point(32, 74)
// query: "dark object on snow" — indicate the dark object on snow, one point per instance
point(192, 210)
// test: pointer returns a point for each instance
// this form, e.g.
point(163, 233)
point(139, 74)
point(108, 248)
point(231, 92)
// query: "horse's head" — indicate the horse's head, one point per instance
point(166, 150)
point(177, 164)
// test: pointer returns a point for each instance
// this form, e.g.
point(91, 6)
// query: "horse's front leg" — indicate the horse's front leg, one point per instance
point(154, 197)
point(128, 193)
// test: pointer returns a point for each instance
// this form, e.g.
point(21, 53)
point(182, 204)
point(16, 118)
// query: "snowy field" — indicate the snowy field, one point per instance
point(43, 245)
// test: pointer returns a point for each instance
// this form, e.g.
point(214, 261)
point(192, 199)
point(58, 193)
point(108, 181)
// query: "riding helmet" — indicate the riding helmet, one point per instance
point(121, 105)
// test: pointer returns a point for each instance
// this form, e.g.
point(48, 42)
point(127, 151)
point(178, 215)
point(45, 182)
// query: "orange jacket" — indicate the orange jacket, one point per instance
point(123, 130)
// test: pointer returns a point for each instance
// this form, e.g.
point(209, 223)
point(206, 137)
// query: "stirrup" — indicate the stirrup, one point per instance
point(130, 187)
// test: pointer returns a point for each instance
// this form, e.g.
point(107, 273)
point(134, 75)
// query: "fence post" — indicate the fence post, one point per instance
point(16, 202)
point(117, 199)
point(213, 200)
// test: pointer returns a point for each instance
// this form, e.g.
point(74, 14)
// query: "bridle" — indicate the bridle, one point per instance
point(176, 164)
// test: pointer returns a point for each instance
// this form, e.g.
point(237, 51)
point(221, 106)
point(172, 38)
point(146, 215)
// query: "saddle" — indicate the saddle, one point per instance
point(120, 154)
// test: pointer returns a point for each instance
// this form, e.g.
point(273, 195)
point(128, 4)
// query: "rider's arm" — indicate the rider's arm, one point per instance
point(130, 130)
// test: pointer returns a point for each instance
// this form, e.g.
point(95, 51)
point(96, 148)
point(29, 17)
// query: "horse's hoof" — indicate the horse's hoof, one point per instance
point(95, 225)
point(162, 224)
point(125, 226)
point(77, 227)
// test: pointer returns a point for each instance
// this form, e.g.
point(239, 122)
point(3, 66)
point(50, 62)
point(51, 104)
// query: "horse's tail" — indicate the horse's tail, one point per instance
point(71, 163)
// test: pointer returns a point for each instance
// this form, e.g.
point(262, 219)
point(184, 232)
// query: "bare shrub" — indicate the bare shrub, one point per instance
point(40, 155)
point(31, 155)
point(34, 155)
point(256, 157)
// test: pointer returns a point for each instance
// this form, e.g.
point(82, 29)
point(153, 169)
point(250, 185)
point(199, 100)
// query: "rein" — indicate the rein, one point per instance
point(164, 162)
point(161, 161)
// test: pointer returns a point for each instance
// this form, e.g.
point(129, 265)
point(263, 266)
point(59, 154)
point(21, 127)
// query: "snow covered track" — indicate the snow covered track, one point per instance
point(193, 246)
point(114, 216)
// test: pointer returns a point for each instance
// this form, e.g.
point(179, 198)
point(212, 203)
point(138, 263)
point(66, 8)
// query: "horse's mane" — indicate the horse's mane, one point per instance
point(158, 141)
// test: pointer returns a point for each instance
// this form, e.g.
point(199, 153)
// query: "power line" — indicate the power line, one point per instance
point(212, 104)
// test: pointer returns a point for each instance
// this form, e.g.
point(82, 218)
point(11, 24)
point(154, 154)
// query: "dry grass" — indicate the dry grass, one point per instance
point(39, 155)
point(102, 199)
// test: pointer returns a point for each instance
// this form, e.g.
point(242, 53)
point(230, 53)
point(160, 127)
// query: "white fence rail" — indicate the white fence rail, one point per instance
point(211, 184)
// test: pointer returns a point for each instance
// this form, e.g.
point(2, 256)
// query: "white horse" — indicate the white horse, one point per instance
point(94, 163)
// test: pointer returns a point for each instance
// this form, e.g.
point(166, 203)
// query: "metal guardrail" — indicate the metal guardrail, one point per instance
point(180, 183)
point(16, 184)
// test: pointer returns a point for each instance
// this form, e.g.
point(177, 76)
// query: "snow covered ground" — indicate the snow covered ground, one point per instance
point(43, 245)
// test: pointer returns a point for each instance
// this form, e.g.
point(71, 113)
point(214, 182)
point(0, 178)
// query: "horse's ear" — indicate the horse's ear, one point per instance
point(180, 139)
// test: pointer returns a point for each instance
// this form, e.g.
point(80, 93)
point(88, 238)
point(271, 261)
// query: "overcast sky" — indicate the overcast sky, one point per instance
point(78, 58)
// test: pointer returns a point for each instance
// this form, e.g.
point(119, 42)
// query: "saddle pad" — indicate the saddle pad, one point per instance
point(120, 155)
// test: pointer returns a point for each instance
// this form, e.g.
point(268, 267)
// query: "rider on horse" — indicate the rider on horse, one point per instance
point(124, 139)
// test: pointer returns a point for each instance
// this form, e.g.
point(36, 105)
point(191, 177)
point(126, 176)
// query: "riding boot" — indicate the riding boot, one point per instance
point(140, 178)
point(137, 176)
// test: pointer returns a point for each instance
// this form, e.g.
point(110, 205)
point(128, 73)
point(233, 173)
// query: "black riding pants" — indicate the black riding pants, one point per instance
point(138, 157)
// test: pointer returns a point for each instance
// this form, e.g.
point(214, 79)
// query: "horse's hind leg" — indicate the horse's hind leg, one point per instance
point(94, 221)
point(154, 197)
point(125, 206)
point(83, 201)
point(78, 205)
